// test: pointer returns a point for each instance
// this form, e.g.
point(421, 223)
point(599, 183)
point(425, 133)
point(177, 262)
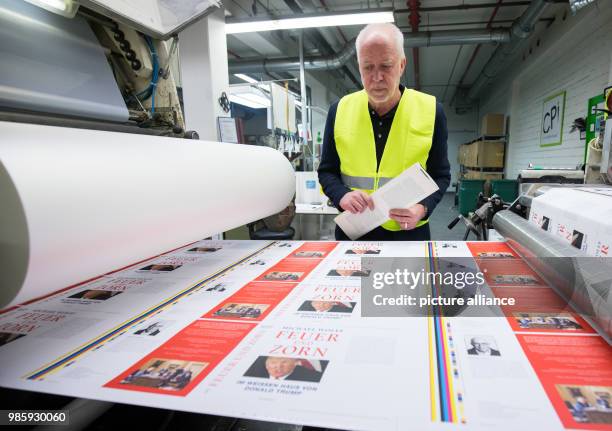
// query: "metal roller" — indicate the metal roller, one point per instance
point(584, 281)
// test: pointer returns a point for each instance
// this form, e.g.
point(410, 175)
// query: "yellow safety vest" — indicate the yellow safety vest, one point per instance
point(409, 141)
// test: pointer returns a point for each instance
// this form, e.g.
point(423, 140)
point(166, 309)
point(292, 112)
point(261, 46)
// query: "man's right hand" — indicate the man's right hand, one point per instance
point(356, 202)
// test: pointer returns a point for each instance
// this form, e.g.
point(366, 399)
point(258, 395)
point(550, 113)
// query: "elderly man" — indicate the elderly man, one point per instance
point(280, 368)
point(375, 134)
point(482, 347)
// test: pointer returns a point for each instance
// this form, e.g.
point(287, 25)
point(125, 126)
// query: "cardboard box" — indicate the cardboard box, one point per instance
point(477, 175)
point(463, 154)
point(471, 155)
point(483, 154)
point(492, 125)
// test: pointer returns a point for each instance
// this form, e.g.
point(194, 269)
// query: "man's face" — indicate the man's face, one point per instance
point(278, 367)
point(159, 267)
point(481, 345)
point(322, 305)
point(381, 68)
point(91, 294)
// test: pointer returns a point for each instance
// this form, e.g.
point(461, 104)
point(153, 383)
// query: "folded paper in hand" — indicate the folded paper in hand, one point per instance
point(410, 187)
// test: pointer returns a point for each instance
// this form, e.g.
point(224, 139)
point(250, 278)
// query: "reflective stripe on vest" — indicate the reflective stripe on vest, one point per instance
point(409, 141)
point(382, 181)
point(364, 183)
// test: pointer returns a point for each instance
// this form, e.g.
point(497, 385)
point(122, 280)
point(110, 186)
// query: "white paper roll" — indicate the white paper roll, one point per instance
point(76, 204)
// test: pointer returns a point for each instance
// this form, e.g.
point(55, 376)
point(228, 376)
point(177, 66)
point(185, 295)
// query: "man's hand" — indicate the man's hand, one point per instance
point(408, 217)
point(356, 202)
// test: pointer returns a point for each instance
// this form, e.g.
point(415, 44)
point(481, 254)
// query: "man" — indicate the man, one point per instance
point(375, 134)
point(281, 368)
point(482, 347)
point(580, 407)
point(602, 402)
point(326, 306)
point(362, 250)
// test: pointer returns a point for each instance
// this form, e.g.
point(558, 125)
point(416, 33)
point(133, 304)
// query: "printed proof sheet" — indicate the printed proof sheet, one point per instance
point(274, 331)
point(410, 187)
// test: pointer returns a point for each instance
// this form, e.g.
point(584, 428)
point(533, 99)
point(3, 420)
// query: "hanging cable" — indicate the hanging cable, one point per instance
point(155, 74)
point(152, 87)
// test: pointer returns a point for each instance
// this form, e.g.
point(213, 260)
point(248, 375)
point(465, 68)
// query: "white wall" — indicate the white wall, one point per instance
point(574, 55)
point(461, 129)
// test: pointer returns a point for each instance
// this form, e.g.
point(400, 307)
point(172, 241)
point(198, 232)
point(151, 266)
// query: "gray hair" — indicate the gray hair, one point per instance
point(389, 28)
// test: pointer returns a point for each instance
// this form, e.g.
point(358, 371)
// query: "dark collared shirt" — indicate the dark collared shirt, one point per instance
point(381, 125)
point(437, 165)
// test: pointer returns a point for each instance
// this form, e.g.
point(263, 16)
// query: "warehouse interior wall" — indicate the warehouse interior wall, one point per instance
point(461, 130)
point(572, 55)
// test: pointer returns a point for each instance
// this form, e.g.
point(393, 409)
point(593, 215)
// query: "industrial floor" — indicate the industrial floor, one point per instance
point(444, 213)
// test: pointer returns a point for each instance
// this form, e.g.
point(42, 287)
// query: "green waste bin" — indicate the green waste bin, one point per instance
point(468, 195)
point(506, 189)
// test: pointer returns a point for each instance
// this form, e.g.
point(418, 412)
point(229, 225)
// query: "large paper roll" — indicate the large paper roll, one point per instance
point(76, 204)
point(583, 280)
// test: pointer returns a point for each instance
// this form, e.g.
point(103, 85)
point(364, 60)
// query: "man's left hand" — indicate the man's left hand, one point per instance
point(408, 217)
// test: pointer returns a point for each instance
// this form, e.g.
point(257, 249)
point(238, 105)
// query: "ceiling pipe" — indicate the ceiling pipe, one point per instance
point(326, 62)
point(455, 37)
point(337, 28)
point(519, 32)
point(319, 41)
point(428, 38)
point(351, 66)
point(498, 22)
point(477, 49)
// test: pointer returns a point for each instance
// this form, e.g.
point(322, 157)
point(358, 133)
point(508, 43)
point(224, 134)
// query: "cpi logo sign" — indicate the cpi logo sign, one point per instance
point(551, 132)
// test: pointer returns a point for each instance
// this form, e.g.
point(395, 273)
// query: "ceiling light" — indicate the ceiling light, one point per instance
point(67, 8)
point(252, 101)
point(246, 78)
point(308, 20)
point(249, 96)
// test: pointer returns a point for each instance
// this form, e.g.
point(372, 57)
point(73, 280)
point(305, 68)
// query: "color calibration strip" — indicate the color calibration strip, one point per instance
point(446, 396)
